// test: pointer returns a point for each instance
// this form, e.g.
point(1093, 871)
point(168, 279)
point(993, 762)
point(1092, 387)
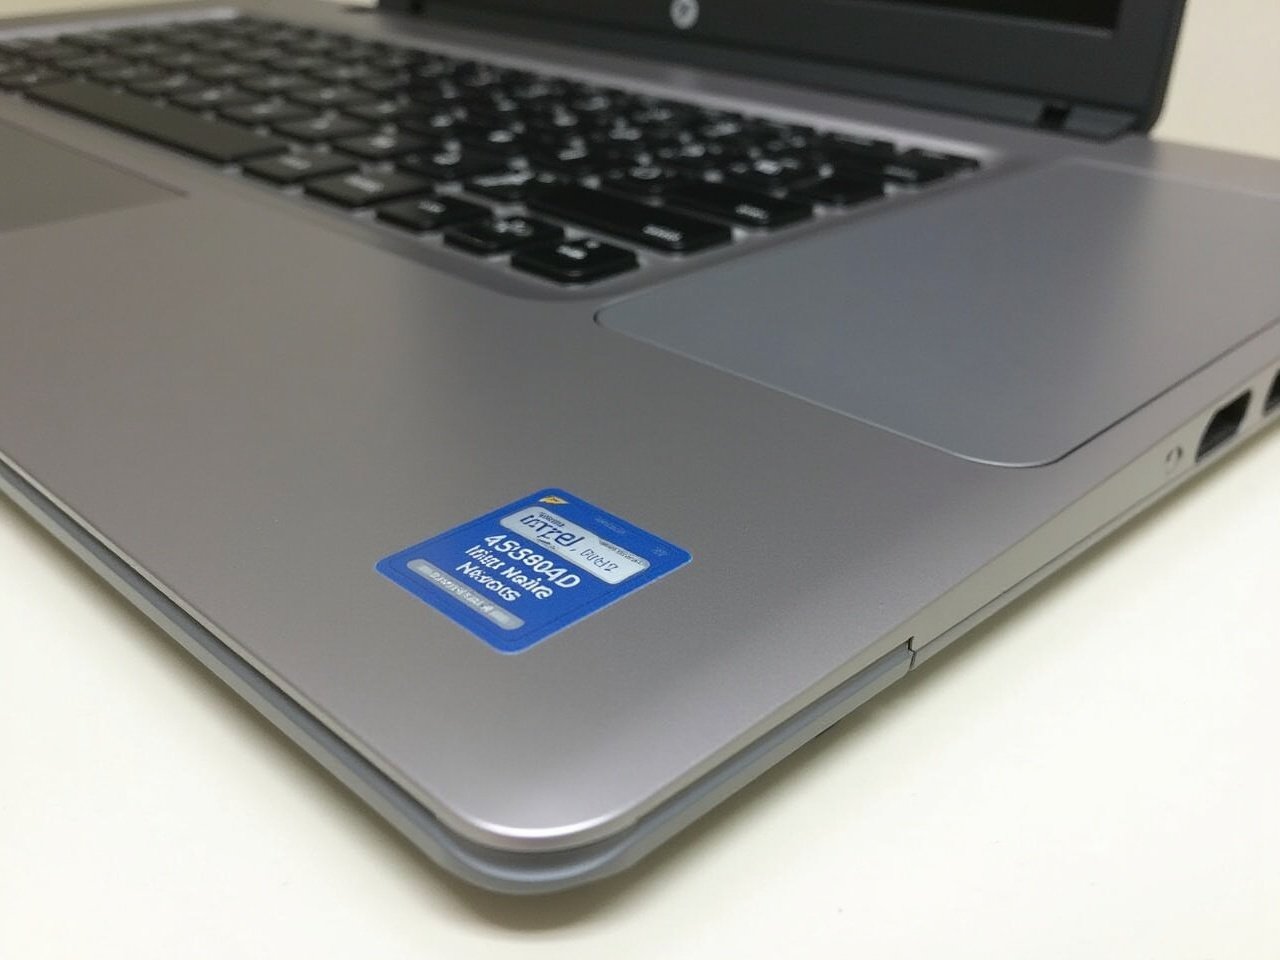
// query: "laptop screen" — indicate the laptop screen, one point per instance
point(754, 19)
point(1090, 13)
point(1110, 54)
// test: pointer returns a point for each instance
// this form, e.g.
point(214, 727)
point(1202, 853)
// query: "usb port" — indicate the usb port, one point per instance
point(1223, 426)
point(1273, 395)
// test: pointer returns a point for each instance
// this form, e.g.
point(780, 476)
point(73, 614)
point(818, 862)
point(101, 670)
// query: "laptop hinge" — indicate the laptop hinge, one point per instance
point(1095, 123)
point(401, 6)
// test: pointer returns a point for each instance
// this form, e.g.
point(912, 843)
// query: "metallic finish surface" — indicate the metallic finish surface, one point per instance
point(491, 868)
point(255, 411)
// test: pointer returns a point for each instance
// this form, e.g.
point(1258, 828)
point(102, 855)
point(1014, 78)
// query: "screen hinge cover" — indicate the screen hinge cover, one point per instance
point(1094, 123)
point(402, 6)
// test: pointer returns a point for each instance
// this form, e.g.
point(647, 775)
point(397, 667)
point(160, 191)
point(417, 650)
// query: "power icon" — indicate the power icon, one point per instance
point(684, 13)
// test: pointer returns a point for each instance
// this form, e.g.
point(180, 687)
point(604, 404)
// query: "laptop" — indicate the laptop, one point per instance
point(551, 415)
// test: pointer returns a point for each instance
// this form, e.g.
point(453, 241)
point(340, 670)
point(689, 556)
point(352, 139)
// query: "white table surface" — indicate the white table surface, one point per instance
point(1094, 774)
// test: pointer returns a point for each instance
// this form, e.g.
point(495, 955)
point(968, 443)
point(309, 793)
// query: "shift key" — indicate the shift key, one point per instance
point(660, 229)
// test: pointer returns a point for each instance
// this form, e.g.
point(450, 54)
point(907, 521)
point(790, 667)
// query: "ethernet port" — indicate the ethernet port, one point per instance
point(1223, 426)
point(1273, 395)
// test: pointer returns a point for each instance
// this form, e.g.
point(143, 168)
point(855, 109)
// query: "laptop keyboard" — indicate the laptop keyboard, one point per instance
point(567, 181)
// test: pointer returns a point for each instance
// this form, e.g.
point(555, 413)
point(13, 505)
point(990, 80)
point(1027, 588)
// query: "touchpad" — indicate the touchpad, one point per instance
point(42, 182)
point(1008, 322)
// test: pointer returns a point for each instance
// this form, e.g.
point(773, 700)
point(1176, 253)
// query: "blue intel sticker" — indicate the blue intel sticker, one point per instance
point(517, 575)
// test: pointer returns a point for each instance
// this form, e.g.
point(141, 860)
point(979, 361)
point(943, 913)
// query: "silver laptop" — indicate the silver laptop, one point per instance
point(551, 414)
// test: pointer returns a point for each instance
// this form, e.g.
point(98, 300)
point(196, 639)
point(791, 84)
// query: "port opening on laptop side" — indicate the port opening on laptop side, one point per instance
point(1223, 425)
point(1272, 402)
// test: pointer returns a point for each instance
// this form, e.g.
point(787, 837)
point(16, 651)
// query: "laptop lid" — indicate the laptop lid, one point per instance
point(1092, 67)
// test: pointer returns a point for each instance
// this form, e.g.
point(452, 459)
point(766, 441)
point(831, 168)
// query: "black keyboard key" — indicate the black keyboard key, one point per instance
point(909, 174)
point(489, 237)
point(96, 40)
point(266, 112)
point(218, 45)
point(580, 159)
point(854, 146)
point(227, 72)
point(140, 49)
point(721, 128)
point(278, 35)
point(212, 140)
point(534, 91)
point(276, 83)
point(839, 190)
point(575, 261)
point(428, 122)
point(903, 170)
point(743, 207)
point(505, 141)
point(214, 98)
point(596, 101)
point(640, 180)
point(128, 74)
point(352, 51)
point(28, 77)
point(314, 43)
point(168, 85)
point(775, 138)
point(322, 129)
point(342, 73)
point(692, 157)
point(649, 112)
point(433, 68)
point(300, 63)
point(192, 37)
point(387, 57)
point(246, 26)
point(379, 111)
point(381, 146)
point(492, 106)
point(477, 75)
point(89, 62)
point(186, 60)
point(950, 162)
point(771, 173)
point(450, 164)
point(434, 93)
point(428, 214)
point(661, 229)
point(384, 84)
point(290, 168)
point(338, 95)
point(51, 51)
point(256, 55)
point(511, 186)
point(554, 115)
point(365, 189)
point(619, 136)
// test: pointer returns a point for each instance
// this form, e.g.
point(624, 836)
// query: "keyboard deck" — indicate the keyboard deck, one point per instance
point(567, 181)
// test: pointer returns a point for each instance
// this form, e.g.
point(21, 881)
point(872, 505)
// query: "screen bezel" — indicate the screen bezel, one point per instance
point(1012, 8)
point(1124, 68)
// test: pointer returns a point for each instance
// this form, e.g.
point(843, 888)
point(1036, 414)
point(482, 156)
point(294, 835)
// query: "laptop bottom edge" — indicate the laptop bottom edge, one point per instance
point(496, 870)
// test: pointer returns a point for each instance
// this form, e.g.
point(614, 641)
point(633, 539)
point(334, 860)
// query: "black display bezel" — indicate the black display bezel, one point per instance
point(1052, 11)
point(1124, 68)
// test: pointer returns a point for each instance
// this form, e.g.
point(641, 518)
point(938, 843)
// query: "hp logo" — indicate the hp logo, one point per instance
point(684, 13)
